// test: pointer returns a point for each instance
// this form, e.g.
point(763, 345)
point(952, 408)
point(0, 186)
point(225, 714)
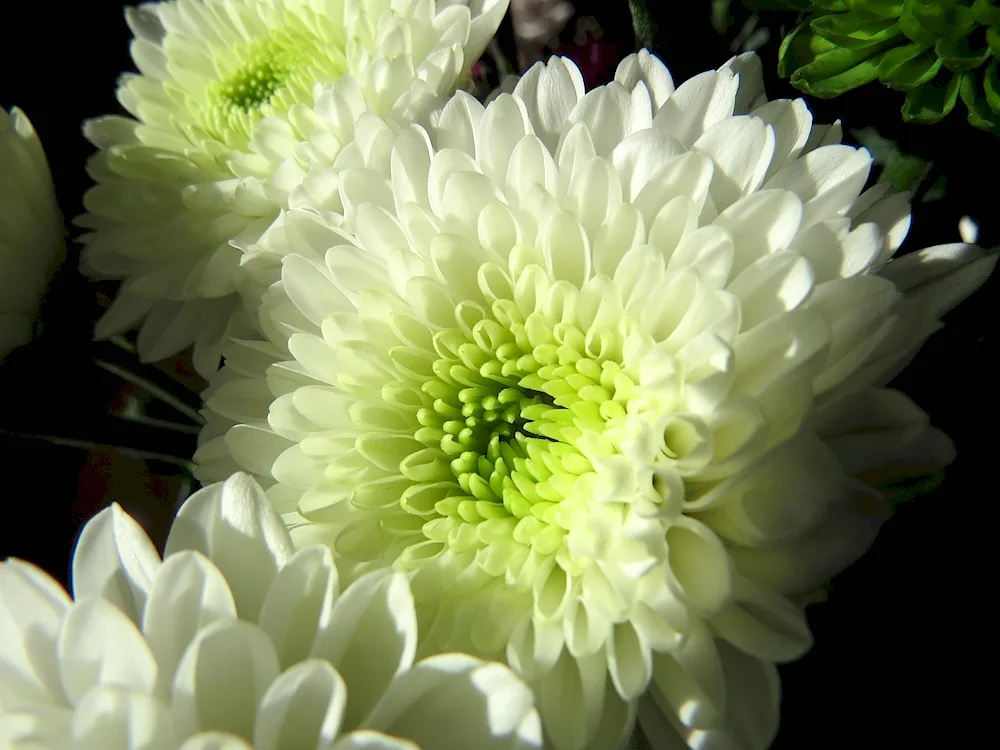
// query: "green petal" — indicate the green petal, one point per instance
point(875, 8)
point(980, 114)
point(963, 53)
point(993, 40)
point(987, 12)
point(848, 30)
point(932, 101)
point(906, 68)
point(799, 48)
point(836, 72)
point(926, 21)
point(991, 84)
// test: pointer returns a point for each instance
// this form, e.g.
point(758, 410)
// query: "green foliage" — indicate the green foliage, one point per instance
point(933, 50)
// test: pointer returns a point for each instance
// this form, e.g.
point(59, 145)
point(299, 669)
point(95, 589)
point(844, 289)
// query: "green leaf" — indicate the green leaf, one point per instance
point(933, 101)
point(962, 53)
point(847, 30)
point(906, 68)
point(980, 114)
point(991, 85)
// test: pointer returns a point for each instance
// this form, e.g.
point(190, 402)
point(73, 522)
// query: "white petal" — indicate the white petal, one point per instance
point(572, 698)
point(761, 223)
point(367, 740)
point(115, 719)
point(630, 661)
point(99, 645)
point(234, 525)
point(299, 601)
point(371, 636)
point(763, 624)
point(215, 741)
point(32, 607)
point(697, 105)
point(453, 701)
point(189, 594)
point(750, 71)
point(115, 560)
point(741, 148)
point(770, 286)
point(791, 121)
point(642, 67)
point(698, 569)
point(222, 677)
point(301, 709)
point(828, 180)
point(938, 278)
point(550, 91)
point(690, 682)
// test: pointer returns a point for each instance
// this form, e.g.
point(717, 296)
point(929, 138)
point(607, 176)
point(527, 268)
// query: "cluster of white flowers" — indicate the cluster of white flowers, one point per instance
point(578, 392)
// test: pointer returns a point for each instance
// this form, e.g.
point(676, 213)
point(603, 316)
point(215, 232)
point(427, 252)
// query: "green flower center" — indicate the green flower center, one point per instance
point(503, 461)
point(267, 76)
point(254, 84)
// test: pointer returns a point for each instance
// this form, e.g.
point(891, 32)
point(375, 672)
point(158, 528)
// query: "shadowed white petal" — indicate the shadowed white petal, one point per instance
point(763, 624)
point(115, 560)
point(572, 696)
point(298, 602)
point(371, 636)
point(368, 740)
point(115, 719)
point(748, 721)
point(828, 180)
point(32, 607)
point(643, 67)
point(741, 148)
point(481, 704)
point(550, 91)
point(99, 645)
point(189, 594)
point(792, 122)
point(221, 679)
point(751, 74)
point(215, 741)
point(938, 278)
point(301, 709)
point(697, 105)
point(234, 525)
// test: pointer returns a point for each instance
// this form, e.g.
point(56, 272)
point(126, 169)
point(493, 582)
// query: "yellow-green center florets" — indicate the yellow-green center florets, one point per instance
point(269, 75)
point(510, 404)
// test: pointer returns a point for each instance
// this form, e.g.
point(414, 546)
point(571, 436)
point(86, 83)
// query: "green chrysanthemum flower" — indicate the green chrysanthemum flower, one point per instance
point(934, 50)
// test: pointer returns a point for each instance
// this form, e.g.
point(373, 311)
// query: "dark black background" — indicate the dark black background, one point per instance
point(904, 643)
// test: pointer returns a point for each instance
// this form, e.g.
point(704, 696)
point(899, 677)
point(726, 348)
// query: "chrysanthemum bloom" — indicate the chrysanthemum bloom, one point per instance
point(934, 50)
point(233, 641)
point(31, 228)
point(604, 372)
point(234, 102)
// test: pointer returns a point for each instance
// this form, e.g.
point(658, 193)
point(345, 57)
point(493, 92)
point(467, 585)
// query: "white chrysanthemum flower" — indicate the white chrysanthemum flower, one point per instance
point(233, 641)
point(31, 228)
point(604, 371)
point(235, 102)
